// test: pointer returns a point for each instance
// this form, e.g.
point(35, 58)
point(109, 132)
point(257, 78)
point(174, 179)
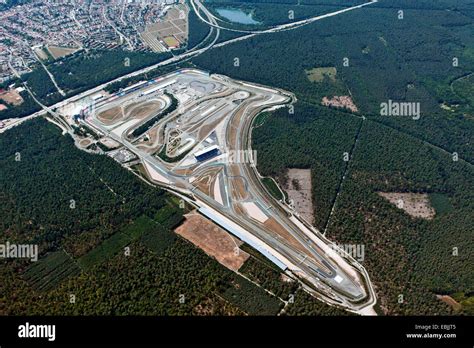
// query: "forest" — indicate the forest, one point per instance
point(377, 57)
point(324, 136)
point(388, 58)
point(100, 211)
point(409, 59)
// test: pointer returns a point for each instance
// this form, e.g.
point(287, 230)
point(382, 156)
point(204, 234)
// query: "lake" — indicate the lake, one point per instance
point(236, 15)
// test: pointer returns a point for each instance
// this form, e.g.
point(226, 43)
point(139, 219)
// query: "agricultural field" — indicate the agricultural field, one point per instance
point(51, 271)
point(169, 33)
point(117, 243)
point(251, 299)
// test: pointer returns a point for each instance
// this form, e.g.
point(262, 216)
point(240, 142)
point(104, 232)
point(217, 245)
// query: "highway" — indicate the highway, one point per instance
point(211, 21)
point(330, 275)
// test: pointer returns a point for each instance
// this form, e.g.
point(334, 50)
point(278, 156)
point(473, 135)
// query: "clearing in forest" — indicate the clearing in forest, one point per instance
point(298, 188)
point(317, 74)
point(414, 204)
point(213, 240)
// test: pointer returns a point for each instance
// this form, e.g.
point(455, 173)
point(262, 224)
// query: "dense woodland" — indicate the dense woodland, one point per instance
point(198, 32)
point(83, 247)
point(389, 58)
point(323, 137)
point(403, 60)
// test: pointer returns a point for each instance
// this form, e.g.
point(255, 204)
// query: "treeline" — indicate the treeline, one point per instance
point(366, 47)
point(64, 199)
point(198, 30)
point(84, 71)
point(407, 256)
point(28, 107)
point(79, 72)
point(313, 137)
point(268, 278)
point(305, 304)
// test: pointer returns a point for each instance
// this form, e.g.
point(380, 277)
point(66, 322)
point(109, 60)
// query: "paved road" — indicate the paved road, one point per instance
point(197, 5)
point(210, 20)
point(306, 263)
point(314, 263)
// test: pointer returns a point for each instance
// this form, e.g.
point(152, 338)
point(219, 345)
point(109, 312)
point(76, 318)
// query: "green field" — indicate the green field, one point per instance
point(169, 216)
point(51, 270)
point(113, 245)
point(318, 74)
point(273, 188)
point(250, 298)
point(158, 240)
point(260, 119)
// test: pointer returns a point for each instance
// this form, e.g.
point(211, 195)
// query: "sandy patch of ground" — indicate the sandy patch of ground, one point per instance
point(11, 97)
point(110, 115)
point(213, 240)
point(238, 188)
point(414, 204)
point(450, 302)
point(58, 52)
point(154, 174)
point(299, 191)
point(255, 212)
point(142, 109)
point(343, 101)
point(40, 53)
point(110, 143)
